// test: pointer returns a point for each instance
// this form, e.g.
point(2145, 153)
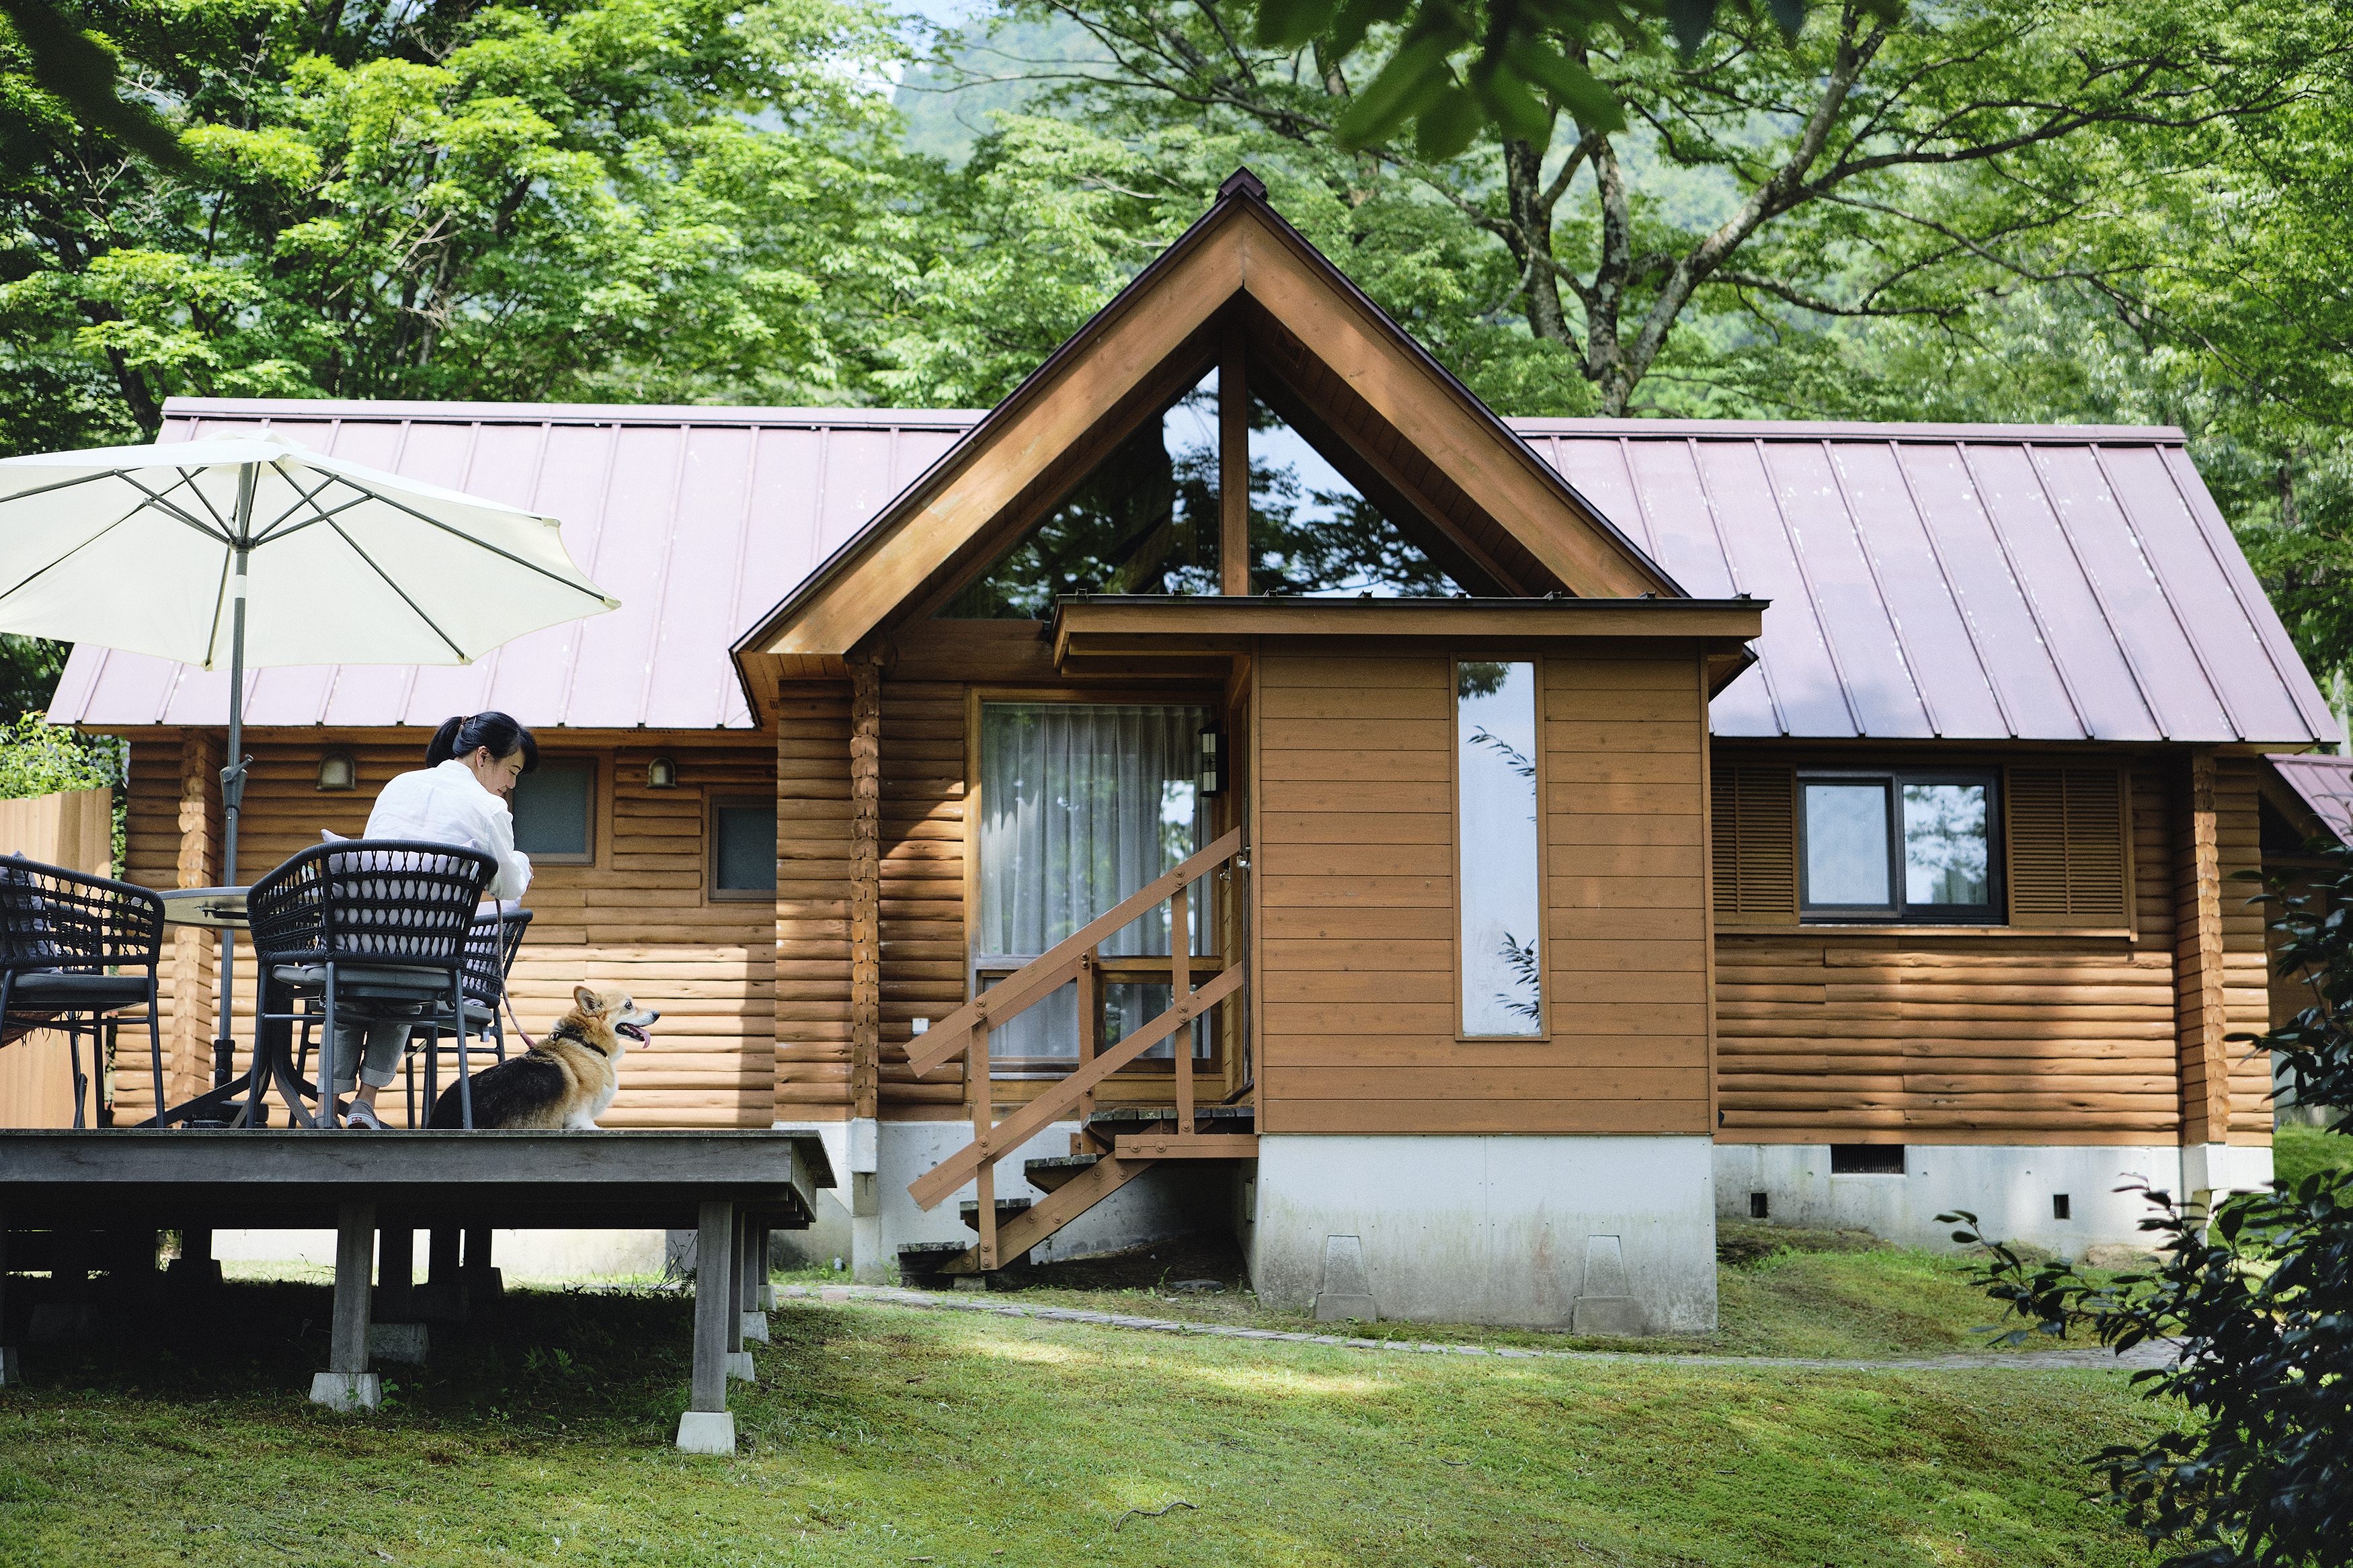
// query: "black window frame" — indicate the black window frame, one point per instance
point(712, 891)
point(592, 816)
point(1900, 911)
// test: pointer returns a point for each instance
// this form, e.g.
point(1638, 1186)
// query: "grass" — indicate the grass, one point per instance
point(1783, 1292)
point(541, 1433)
point(2298, 1151)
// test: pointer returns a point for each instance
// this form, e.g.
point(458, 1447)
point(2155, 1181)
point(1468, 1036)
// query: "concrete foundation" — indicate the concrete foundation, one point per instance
point(346, 1390)
point(397, 1341)
point(739, 1366)
point(1548, 1232)
point(2011, 1188)
point(706, 1432)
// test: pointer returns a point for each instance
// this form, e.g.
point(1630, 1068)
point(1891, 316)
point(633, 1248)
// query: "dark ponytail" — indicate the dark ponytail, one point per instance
point(458, 737)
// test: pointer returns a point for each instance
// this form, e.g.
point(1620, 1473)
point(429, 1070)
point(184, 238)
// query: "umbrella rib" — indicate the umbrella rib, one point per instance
point(163, 501)
point(301, 496)
point(463, 657)
point(325, 514)
point(477, 543)
point(84, 544)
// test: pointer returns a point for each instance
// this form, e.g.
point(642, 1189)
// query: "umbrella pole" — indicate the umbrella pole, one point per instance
point(233, 787)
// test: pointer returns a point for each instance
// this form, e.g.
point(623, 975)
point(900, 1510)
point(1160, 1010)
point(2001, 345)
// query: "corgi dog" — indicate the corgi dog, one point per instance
point(564, 1082)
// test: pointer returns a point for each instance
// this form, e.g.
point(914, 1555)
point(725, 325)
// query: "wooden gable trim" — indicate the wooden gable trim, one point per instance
point(1513, 510)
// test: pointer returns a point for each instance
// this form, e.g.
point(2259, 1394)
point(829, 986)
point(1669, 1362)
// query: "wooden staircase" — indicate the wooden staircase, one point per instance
point(1116, 1145)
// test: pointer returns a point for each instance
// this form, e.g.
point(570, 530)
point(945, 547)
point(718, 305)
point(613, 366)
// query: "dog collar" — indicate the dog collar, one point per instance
point(564, 1031)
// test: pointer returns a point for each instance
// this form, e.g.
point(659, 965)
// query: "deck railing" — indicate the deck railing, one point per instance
point(1078, 958)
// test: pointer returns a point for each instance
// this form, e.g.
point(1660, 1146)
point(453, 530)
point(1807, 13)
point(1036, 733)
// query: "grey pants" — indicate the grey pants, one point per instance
point(383, 1026)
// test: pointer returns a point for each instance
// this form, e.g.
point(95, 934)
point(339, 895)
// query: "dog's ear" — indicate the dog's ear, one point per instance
point(588, 1000)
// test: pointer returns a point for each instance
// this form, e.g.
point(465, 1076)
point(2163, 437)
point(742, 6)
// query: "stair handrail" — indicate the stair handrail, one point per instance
point(1048, 973)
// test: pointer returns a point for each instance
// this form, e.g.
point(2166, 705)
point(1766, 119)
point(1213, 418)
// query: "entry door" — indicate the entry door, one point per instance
point(1082, 803)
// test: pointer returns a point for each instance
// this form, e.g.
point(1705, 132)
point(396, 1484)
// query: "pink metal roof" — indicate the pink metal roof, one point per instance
point(1968, 582)
point(1964, 582)
point(696, 519)
point(2326, 784)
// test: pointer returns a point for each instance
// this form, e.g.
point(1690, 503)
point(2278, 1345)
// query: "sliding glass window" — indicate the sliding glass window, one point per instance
point(1499, 848)
point(1920, 847)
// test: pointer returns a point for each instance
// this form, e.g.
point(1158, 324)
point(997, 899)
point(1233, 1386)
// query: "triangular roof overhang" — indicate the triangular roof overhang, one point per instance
point(1394, 420)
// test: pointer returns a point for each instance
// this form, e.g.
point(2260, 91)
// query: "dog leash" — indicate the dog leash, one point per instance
point(528, 1043)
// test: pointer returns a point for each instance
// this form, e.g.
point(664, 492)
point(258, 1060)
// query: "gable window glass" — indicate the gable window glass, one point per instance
point(1918, 846)
point(555, 812)
point(1082, 803)
point(1499, 853)
point(744, 850)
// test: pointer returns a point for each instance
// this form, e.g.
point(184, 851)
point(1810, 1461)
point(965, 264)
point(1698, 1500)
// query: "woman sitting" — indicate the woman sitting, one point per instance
point(460, 796)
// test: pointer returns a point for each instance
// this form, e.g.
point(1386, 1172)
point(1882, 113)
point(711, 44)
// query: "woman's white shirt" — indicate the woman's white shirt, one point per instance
point(447, 805)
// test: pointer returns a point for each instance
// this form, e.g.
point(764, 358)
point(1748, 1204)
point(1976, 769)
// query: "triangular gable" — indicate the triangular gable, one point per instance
point(1339, 368)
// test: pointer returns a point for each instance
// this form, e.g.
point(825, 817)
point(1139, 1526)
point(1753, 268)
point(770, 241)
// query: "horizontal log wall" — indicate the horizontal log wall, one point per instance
point(812, 932)
point(923, 831)
point(1988, 1036)
point(1355, 867)
point(640, 919)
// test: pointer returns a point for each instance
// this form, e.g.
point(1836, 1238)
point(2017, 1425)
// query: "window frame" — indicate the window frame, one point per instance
point(574, 761)
point(1900, 909)
point(711, 891)
point(1543, 1032)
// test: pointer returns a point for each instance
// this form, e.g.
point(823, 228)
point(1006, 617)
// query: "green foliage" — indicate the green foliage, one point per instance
point(81, 71)
point(576, 198)
point(40, 758)
point(2260, 1295)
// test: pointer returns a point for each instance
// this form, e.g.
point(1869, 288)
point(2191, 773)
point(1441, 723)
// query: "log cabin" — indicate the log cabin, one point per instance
point(1462, 857)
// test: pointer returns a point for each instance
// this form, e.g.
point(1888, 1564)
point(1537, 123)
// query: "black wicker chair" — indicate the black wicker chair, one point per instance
point(368, 919)
point(492, 944)
point(61, 934)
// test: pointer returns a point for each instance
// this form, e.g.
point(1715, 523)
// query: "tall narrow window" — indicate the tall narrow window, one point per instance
point(1501, 854)
point(744, 850)
point(1082, 803)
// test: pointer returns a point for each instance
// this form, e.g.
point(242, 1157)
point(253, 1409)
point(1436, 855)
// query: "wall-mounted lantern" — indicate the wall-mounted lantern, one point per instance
point(1213, 762)
point(662, 773)
point(337, 770)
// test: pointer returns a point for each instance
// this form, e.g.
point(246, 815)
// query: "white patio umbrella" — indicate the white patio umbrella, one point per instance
point(259, 552)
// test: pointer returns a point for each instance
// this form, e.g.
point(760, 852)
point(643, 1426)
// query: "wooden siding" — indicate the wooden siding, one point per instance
point(1357, 901)
point(813, 850)
point(1994, 1035)
point(923, 789)
point(639, 917)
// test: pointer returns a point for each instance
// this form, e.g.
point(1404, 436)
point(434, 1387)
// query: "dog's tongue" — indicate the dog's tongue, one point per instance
point(632, 1031)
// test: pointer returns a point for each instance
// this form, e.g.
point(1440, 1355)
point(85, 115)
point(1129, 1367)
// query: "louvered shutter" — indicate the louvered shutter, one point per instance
point(1755, 843)
point(2065, 832)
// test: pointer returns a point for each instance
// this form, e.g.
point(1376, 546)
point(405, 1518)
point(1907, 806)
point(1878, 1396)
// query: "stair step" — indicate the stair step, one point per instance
point(1005, 1209)
point(1142, 1118)
point(1050, 1176)
point(920, 1261)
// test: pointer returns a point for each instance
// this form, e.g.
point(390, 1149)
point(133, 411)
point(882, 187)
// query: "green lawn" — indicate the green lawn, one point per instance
point(1792, 1292)
point(2297, 1152)
point(883, 1436)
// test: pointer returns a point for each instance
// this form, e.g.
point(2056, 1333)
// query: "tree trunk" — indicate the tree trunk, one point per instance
point(1524, 184)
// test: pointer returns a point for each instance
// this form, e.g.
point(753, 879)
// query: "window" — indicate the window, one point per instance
point(744, 850)
point(1314, 534)
point(1082, 804)
point(1145, 522)
point(1898, 846)
point(556, 812)
point(1499, 857)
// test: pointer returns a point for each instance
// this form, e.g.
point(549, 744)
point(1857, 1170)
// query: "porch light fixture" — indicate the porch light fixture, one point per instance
point(337, 770)
point(1213, 762)
point(662, 773)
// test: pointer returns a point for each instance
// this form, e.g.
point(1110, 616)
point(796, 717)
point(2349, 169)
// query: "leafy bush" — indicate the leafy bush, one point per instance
point(40, 758)
point(2259, 1296)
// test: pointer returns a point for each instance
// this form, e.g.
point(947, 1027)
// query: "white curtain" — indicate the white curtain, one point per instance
point(1082, 805)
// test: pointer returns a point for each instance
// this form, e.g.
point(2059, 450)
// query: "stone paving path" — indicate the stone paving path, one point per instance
point(2155, 1352)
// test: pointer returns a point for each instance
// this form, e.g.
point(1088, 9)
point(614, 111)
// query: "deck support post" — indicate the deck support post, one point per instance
point(444, 1296)
point(347, 1384)
point(707, 1427)
point(736, 1278)
point(752, 1281)
point(483, 1280)
point(9, 1371)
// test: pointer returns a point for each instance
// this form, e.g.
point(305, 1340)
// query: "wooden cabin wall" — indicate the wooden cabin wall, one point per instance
point(1354, 866)
point(639, 917)
point(2000, 1036)
point(923, 786)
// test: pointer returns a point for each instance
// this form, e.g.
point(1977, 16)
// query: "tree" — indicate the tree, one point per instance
point(1866, 170)
point(648, 199)
point(2260, 1298)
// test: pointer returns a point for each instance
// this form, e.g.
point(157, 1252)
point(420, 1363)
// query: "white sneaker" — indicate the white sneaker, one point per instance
point(365, 1119)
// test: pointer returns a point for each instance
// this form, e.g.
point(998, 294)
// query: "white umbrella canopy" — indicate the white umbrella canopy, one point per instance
point(137, 548)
